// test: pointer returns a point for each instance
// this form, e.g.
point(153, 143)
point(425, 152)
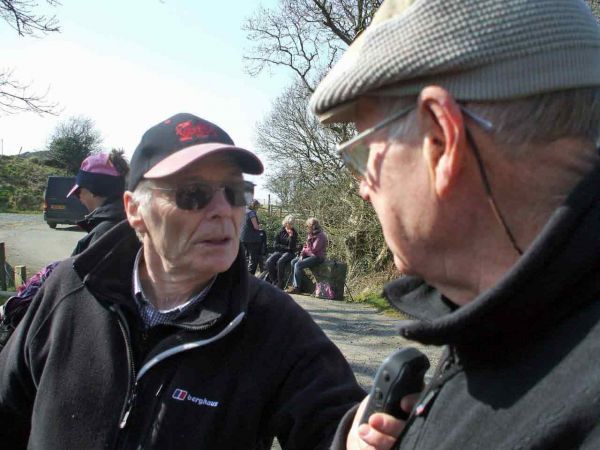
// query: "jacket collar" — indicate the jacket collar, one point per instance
point(106, 269)
point(557, 274)
point(111, 209)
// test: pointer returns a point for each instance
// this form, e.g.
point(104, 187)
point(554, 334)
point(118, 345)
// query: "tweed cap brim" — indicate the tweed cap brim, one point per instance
point(480, 50)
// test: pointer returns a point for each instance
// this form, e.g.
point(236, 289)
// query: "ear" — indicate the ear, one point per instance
point(134, 213)
point(445, 143)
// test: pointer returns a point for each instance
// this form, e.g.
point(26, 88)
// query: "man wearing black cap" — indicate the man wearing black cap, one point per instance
point(172, 344)
point(479, 125)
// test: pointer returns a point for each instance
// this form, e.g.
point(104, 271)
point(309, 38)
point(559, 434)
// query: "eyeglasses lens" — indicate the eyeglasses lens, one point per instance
point(356, 157)
point(248, 192)
point(197, 196)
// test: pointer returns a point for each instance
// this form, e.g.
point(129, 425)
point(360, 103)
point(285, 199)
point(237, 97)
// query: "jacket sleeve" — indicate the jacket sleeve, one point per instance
point(293, 242)
point(17, 386)
point(318, 388)
point(305, 249)
point(279, 244)
point(319, 244)
point(82, 244)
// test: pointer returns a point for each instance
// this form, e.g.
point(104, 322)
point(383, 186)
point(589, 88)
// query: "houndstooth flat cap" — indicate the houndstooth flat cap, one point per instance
point(482, 50)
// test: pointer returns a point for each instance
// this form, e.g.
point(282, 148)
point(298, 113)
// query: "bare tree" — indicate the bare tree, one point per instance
point(305, 36)
point(293, 139)
point(20, 15)
point(16, 96)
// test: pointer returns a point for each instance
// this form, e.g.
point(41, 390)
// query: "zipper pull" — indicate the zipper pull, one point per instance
point(130, 404)
point(125, 417)
point(423, 406)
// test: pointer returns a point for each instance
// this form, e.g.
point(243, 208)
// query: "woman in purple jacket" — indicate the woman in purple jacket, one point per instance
point(313, 253)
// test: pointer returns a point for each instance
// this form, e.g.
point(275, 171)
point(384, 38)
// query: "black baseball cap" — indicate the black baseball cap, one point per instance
point(181, 140)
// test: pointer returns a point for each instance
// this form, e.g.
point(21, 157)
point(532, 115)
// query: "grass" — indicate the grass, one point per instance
point(375, 299)
point(20, 211)
point(368, 289)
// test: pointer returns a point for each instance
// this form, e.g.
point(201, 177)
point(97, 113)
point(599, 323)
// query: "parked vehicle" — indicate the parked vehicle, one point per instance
point(58, 209)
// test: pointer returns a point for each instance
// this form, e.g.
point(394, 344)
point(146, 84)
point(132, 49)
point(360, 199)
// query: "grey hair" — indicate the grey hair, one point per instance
point(288, 219)
point(538, 119)
point(142, 194)
point(313, 222)
point(544, 118)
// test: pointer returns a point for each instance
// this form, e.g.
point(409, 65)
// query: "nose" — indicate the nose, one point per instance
point(219, 206)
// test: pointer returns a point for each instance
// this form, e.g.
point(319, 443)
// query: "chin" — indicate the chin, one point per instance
point(217, 264)
point(402, 266)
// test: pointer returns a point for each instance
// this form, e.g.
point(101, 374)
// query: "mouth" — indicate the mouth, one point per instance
point(215, 241)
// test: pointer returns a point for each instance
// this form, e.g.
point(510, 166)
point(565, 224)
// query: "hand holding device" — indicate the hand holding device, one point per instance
point(400, 374)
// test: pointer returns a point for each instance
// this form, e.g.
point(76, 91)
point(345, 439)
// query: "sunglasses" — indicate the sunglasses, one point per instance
point(355, 152)
point(196, 196)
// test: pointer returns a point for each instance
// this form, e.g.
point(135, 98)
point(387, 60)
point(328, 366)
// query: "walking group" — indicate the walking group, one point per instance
point(286, 263)
point(478, 130)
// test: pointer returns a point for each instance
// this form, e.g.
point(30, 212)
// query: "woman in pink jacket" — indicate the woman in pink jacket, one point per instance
point(313, 253)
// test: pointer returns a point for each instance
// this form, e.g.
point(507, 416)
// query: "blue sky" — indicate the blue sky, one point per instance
point(130, 64)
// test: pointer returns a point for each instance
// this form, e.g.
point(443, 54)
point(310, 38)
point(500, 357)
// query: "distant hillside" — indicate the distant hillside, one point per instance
point(23, 179)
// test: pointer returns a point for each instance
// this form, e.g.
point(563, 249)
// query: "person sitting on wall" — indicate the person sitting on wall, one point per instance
point(313, 253)
point(284, 249)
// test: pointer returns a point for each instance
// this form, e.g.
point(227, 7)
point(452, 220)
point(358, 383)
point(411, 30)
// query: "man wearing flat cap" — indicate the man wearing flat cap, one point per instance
point(171, 344)
point(478, 125)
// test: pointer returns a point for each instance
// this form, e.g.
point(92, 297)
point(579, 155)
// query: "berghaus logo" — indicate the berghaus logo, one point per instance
point(183, 395)
point(179, 394)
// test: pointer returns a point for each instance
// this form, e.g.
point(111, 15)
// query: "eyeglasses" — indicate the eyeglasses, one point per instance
point(355, 152)
point(198, 195)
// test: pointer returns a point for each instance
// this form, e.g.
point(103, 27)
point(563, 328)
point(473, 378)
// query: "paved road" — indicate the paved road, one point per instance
point(30, 242)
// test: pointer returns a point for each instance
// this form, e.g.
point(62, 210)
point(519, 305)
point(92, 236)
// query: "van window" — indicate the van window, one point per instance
point(58, 209)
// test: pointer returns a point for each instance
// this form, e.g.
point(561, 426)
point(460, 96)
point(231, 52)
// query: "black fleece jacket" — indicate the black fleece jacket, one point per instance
point(80, 371)
point(286, 243)
point(98, 222)
point(521, 369)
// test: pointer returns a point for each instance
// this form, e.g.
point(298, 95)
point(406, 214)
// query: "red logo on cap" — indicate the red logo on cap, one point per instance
point(188, 131)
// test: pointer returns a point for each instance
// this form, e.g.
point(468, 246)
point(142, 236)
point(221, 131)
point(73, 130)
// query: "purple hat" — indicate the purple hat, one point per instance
point(98, 175)
point(181, 140)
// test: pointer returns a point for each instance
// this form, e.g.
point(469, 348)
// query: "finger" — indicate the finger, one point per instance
point(408, 403)
point(375, 439)
point(386, 424)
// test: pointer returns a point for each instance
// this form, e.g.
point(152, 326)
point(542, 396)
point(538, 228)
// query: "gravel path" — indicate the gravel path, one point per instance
point(364, 335)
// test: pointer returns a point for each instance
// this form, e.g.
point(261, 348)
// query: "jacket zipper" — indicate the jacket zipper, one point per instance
point(135, 378)
point(132, 380)
point(189, 346)
point(448, 369)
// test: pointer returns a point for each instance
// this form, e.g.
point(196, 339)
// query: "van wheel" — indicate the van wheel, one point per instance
point(52, 225)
